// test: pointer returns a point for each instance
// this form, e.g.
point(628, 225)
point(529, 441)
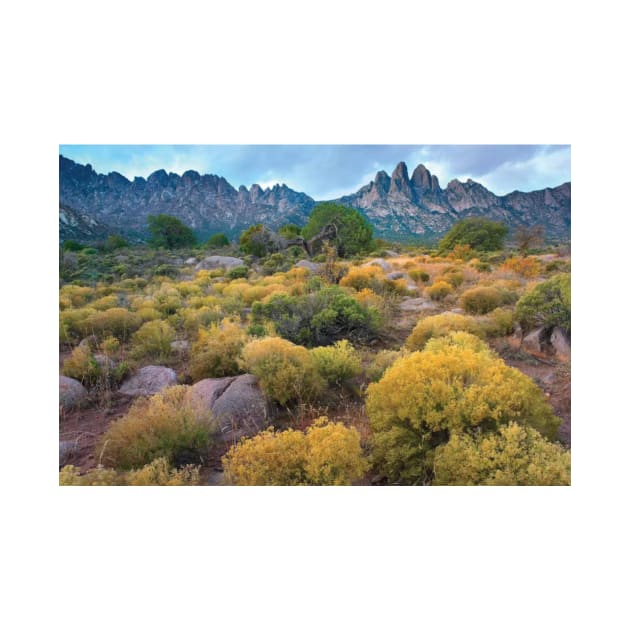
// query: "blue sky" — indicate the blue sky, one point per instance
point(329, 171)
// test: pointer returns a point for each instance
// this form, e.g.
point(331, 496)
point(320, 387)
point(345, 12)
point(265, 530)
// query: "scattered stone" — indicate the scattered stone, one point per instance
point(457, 311)
point(391, 253)
point(416, 304)
point(104, 362)
point(536, 342)
point(149, 380)
point(71, 393)
point(66, 450)
point(395, 275)
point(561, 343)
point(383, 264)
point(313, 267)
point(216, 262)
point(190, 261)
point(236, 402)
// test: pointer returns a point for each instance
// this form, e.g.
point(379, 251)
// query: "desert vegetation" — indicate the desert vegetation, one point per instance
point(315, 356)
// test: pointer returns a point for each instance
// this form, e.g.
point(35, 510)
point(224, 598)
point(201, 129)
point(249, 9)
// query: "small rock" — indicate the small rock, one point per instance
point(216, 262)
point(561, 343)
point(149, 380)
point(536, 342)
point(383, 264)
point(71, 393)
point(416, 304)
point(66, 450)
point(395, 275)
point(313, 267)
point(104, 362)
point(236, 402)
point(190, 261)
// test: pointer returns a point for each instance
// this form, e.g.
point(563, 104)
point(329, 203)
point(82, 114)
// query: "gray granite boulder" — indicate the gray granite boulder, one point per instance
point(313, 267)
point(383, 264)
point(236, 402)
point(416, 304)
point(219, 262)
point(561, 343)
point(71, 393)
point(149, 380)
point(66, 450)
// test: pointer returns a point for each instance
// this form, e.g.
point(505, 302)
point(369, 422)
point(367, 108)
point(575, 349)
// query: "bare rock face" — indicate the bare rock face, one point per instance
point(561, 343)
point(236, 402)
point(149, 380)
point(71, 393)
point(66, 450)
point(219, 262)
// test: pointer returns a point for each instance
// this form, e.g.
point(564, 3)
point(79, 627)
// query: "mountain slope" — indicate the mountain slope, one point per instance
point(79, 226)
point(400, 206)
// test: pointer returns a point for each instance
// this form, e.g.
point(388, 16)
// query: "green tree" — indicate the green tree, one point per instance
point(481, 234)
point(167, 231)
point(290, 230)
point(547, 304)
point(218, 240)
point(250, 244)
point(354, 233)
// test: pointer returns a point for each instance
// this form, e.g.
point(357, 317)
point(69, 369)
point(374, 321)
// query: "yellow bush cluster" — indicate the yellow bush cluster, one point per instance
point(287, 373)
point(164, 425)
point(338, 363)
point(216, 351)
point(117, 322)
point(438, 326)
point(327, 454)
point(480, 300)
point(455, 385)
point(526, 267)
point(153, 339)
point(439, 290)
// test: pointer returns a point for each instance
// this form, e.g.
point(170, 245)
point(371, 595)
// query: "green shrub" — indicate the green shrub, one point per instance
point(547, 304)
point(287, 373)
point(498, 323)
point(238, 272)
point(168, 231)
point(327, 454)
point(381, 362)
point(319, 318)
point(419, 275)
point(153, 339)
point(439, 326)
point(216, 351)
point(514, 456)
point(217, 240)
point(164, 425)
point(455, 385)
point(480, 300)
point(338, 363)
point(251, 243)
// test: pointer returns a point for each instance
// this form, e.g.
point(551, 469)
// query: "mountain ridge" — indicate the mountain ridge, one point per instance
point(398, 206)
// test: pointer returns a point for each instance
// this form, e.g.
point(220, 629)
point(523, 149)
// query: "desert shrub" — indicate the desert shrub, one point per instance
point(454, 277)
point(498, 323)
point(381, 362)
point(482, 267)
point(462, 251)
point(370, 277)
point(480, 300)
point(104, 303)
point(77, 295)
point(327, 454)
point(167, 299)
point(526, 267)
point(164, 425)
point(251, 243)
point(74, 322)
point(557, 266)
point(82, 366)
point(481, 234)
point(439, 290)
point(289, 230)
point(216, 351)
point(514, 456)
point(419, 275)
point(453, 386)
point(439, 326)
point(153, 339)
point(148, 314)
point(338, 363)
point(157, 473)
point(287, 373)
point(547, 304)
point(117, 322)
point(195, 318)
point(217, 240)
point(319, 318)
point(238, 272)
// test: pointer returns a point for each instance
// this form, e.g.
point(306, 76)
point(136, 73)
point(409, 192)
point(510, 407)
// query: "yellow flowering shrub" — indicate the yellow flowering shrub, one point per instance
point(498, 323)
point(439, 290)
point(480, 300)
point(438, 326)
point(153, 339)
point(216, 351)
point(117, 322)
point(381, 362)
point(287, 373)
point(455, 385)
point(157, 473)
point(74, 323)
point(148, 314)
point(327, 454)
point(338, 363)
point(81, 366)
point(513, 456)
point(370, 277)
point(102, 304)
point(195, 318)
point(167, 299)
point(526, 267)
point(163, 425)
point(77, 295)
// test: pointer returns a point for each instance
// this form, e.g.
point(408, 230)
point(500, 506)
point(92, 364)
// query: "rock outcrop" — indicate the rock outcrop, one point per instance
point(219, 262)
point(71, 393)
point(236, 402)
point(149, 380)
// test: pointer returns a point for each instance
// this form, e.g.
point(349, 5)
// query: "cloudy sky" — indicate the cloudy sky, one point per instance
point(329, 171)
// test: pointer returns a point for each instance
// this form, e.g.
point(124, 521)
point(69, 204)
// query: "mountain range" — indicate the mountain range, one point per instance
point(398, 206)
